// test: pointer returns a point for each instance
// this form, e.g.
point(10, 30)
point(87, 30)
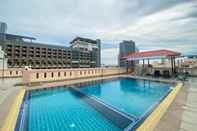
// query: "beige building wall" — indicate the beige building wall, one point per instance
point(47, 75)
point(7, 73)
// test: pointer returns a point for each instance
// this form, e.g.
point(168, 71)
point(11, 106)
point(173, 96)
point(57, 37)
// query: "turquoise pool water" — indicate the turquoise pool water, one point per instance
point(60, 110)
point(133, 96)
point(96, 106)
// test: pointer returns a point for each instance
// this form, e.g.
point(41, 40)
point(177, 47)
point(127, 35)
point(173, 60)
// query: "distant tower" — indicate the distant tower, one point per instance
point(98, 51)
point(3, 30)
point(126, 47)
point(3, 27)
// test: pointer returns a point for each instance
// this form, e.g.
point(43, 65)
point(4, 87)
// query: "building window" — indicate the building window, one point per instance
point(58, 74)
point(37, 75)
point(45, 75)
point(17, 72)
point(10, 72)
point(70, 73)
point(64, 73)
point(80, 72)
point(52, 74)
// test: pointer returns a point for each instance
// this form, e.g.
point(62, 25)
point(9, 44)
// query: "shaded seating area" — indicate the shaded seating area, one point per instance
point(165, 72)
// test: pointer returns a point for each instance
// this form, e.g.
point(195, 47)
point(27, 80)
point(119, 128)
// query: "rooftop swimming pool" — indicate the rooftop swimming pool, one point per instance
point(133, 96)
point(105, 105)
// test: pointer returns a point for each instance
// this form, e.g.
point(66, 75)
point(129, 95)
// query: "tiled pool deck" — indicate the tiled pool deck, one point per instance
point(189, 116)
point(8, 92)
point(181, 115)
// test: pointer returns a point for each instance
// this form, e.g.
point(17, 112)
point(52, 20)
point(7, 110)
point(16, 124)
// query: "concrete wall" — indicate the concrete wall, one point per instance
point(192, 71)
point(13, 72)
point(49, 75)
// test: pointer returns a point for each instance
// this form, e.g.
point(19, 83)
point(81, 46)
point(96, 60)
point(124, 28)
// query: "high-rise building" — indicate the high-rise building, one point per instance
point(3, 27)
point(126, 47)
point(3, 30)
point(88, 45)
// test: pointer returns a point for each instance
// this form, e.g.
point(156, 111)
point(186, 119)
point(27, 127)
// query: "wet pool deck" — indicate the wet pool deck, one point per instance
point(180, 116)
point(189, 116)
point(8, 92)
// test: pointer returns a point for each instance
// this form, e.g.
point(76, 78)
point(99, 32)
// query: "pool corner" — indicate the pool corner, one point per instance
point(11, 119)
point(153, 119)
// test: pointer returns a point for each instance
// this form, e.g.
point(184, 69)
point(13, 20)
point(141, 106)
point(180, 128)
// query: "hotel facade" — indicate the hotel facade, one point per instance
point(21, 51)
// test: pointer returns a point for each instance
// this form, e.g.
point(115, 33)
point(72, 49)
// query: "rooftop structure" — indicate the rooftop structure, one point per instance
point(83, 39)
point(154, 54)
point(17, 37)
point(151, 54)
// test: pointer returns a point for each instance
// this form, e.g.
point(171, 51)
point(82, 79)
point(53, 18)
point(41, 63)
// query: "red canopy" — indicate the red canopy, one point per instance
point(151, 54)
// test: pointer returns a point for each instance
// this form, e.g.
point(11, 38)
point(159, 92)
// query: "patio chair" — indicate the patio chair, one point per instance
point(182, 76)
point(166, 74)
point(157, 73)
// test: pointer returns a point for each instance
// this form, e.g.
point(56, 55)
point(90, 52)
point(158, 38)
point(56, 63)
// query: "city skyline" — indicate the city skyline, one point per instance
point(152, 25)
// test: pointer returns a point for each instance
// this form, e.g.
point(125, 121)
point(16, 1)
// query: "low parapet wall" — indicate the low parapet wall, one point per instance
point(11, 72)
point(49, 75)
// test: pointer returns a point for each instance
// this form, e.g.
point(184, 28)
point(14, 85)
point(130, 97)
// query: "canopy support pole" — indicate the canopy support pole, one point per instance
point(143, 63)
point(174, 65)
point(171, 61)
point(127, 66)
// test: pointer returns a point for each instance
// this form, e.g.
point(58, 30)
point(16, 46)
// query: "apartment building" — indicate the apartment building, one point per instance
point(90, 49)
point(21, 51)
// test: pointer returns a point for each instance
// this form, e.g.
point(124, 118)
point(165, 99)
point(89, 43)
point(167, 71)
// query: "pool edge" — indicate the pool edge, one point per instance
point(149, 123)
point(153, 119)
point(11, 119)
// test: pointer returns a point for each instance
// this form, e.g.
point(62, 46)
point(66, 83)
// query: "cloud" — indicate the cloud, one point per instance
point(151, 24)
point(159, 25)
point(164, 29)
point(109, 55)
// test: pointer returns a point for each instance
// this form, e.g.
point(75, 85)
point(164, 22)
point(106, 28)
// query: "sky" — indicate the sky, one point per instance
point(152, 24)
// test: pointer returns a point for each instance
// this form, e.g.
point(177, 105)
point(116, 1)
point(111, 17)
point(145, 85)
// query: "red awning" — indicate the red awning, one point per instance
point(155, 54)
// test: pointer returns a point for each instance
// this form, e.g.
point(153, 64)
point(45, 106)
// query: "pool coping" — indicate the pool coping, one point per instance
point(153, 119)
point(11, 119)
point(149, 123)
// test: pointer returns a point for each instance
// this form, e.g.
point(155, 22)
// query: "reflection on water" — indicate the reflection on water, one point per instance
point(130, 95)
